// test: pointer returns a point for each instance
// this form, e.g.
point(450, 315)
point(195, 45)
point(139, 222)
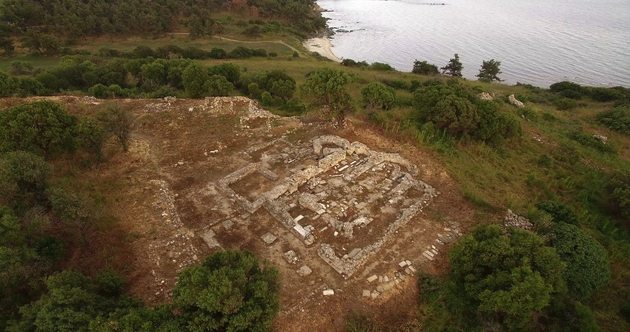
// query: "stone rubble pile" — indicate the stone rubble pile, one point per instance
point(513, 220)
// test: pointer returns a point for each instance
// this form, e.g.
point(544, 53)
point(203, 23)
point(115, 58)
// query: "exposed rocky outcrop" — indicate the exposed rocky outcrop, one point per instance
point(515, 101)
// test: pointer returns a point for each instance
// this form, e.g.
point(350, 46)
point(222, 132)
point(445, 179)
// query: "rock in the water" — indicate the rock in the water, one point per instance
point(515, 101)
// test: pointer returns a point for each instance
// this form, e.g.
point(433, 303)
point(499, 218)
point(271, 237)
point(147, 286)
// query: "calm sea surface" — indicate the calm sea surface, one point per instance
point(538, 42)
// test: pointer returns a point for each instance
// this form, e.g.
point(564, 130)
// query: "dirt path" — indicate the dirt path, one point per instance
point(251, 42)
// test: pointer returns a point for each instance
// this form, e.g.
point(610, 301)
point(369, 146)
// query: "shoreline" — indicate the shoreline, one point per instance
point(322, 46)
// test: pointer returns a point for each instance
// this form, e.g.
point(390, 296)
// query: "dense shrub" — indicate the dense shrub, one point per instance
point(424, 68)
point(588, 268)
point(559, 212)
point(8, 85)
point(218, 53)
point(100, 91)
point(42, 127)
point(619, 190)
point(509, 276)
point(568, 89)
point(397, 84)
point(495, 126)
point(73, 301)
point(592, 142)
point(607, 94)
point(378, 96)
point(616, 119)
point(381, 66)
point(23, 173)
point(193, 78)
point(229, 291)
point(352, 63)
point(218, 86)
point(565, 104)
point(228, 70)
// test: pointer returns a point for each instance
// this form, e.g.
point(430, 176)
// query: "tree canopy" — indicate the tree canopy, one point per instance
point(228, 291)
point(489, 71)
point(453, 67)
point(41, 127)
point(329, 87)
point(424, 68)
point(377, 95)
point(588, 268)
point(511, 276)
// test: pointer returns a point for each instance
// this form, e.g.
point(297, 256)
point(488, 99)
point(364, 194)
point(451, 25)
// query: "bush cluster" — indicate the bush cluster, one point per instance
point(617, 119)
point(575, 91)
point(455, 108)
point(126, 78)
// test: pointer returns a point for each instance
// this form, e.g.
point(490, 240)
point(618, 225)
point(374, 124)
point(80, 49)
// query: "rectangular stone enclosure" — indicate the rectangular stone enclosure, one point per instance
point(342, 197)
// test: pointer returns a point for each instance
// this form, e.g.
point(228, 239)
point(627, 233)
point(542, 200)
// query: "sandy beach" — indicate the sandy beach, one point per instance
point(322, 46)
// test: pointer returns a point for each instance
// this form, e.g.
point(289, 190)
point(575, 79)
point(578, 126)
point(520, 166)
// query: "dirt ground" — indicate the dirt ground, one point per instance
point(181, 148)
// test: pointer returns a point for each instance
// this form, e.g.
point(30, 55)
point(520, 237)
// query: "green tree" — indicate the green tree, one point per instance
point(283, 89)
point(229, 291)
point(92, 137)
point(329, 87)
point(228, 70)
point(8, 85)
point(79, 211)
point(195, 27)
point(41, 126)
point(377, 95)
point(7, 45)
point(218, 86)
point(72, 302)
point(424, 68)
point(23, 173)
point(509, 276)
point(118, 121)
point(453, 68)
point(617, 119)
point(588, 268)
point(254, 90)
point(489, 71)
point(193, 78)
point(559, 212)
point(100, 91)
